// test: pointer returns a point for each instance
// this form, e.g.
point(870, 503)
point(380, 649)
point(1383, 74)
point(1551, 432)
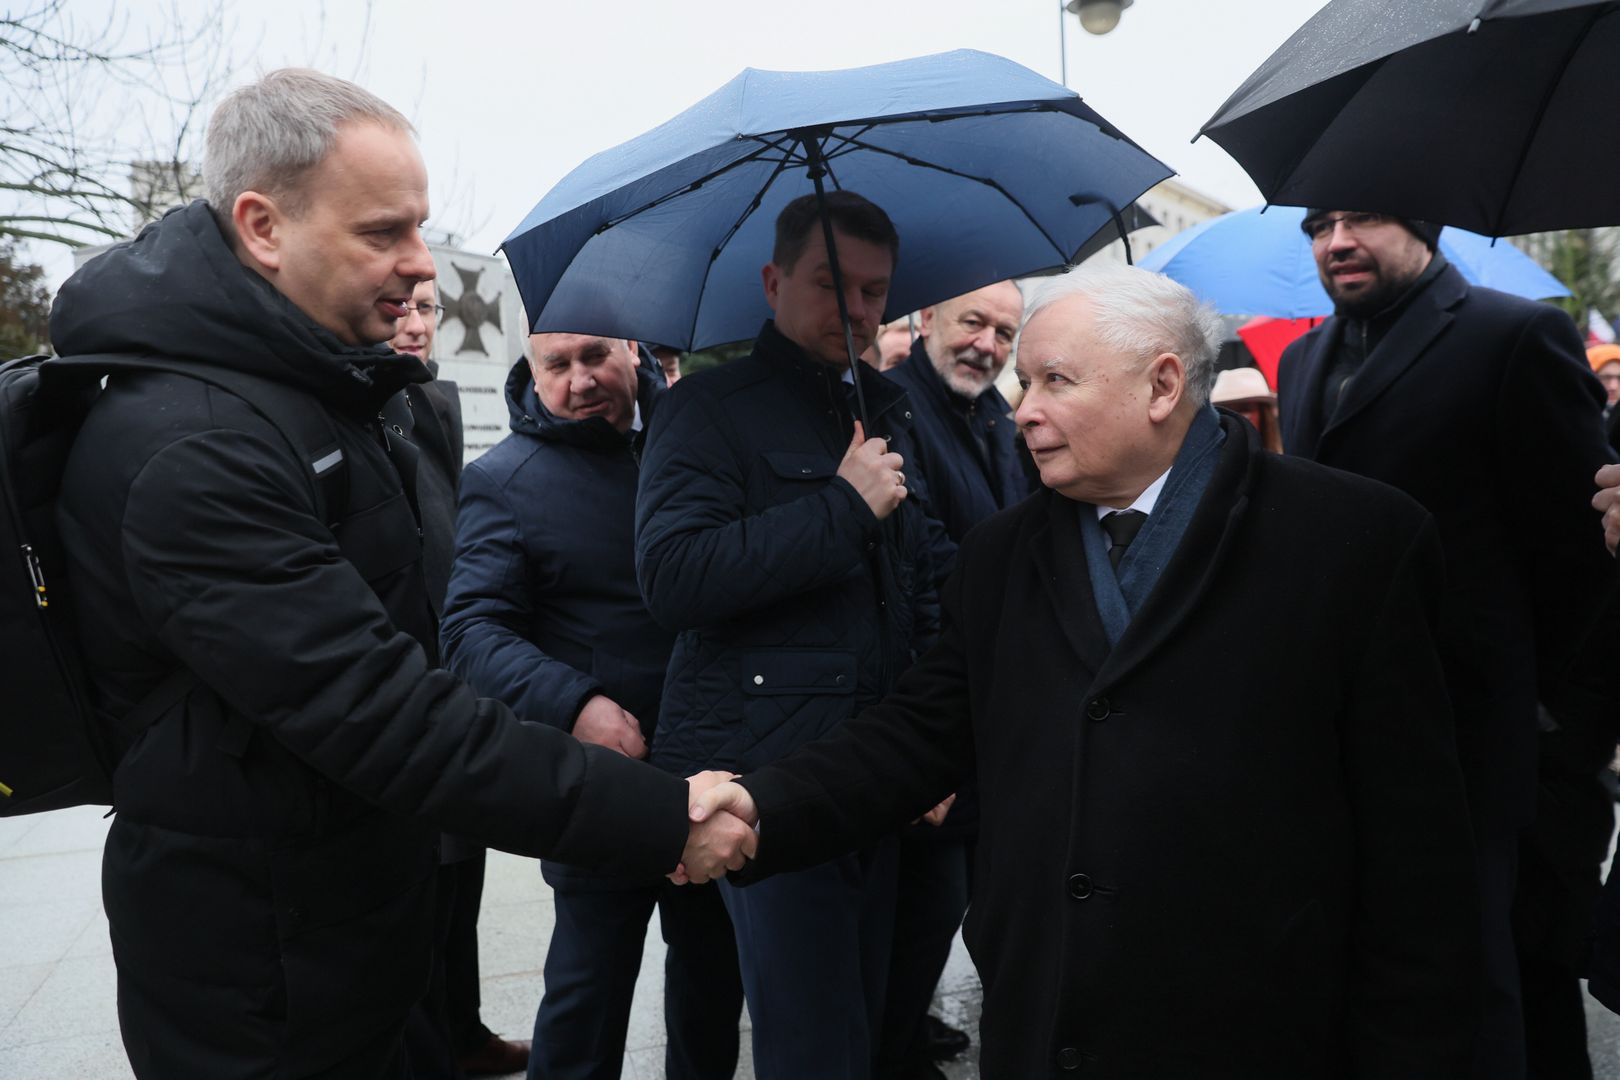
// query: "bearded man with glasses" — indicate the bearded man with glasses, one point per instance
point(1481, 407)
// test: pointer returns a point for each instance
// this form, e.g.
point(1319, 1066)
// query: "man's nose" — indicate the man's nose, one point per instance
point(416, 263)
point(581, 379)
point(1341, 238)
point(1028, 412)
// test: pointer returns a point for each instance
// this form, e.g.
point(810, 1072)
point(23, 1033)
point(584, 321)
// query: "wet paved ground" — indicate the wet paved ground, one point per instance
point(58, 1018)
point(57, 987)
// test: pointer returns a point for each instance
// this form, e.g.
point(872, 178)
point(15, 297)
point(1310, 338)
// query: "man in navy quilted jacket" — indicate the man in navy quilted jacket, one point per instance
point(544, 614)
point(775, 535)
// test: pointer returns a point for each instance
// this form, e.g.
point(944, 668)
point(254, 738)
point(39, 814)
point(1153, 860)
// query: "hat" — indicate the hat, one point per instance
point(1237, 386)
point(1598, 355)
point(1426, 231)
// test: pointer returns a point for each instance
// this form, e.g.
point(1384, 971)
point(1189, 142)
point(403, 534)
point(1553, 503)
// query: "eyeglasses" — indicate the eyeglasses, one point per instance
point(1320, 228)
point(429, 312)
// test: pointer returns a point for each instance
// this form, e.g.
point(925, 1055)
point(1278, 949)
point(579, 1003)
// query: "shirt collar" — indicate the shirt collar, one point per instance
point(1145, 501)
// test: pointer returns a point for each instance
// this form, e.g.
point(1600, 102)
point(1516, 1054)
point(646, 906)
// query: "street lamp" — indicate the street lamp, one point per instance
point(1098, 16)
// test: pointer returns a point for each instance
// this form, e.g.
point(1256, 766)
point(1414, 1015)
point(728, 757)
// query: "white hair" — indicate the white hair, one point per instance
point(265, 136)
point(1143, 314)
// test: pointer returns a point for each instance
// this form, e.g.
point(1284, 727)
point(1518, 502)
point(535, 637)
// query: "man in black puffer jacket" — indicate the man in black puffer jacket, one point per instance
point(268, 879)
point(544, 615)
point(779, 542)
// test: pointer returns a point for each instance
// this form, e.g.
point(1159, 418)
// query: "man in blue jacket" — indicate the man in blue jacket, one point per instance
point(774, 534)
point(967, 456)
point(544, 614)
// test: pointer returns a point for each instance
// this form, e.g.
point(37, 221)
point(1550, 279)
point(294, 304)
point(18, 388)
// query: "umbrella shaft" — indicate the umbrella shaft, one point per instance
point(812, 150)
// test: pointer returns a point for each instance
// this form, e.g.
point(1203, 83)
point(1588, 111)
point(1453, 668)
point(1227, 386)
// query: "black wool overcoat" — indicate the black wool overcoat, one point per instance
point(1480, 406)
point(1233, 845)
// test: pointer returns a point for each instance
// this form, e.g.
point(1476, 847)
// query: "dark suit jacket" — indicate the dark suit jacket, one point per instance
point(1236, 844)
point(1480, 406)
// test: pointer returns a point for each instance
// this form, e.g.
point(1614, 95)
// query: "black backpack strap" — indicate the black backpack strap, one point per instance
point(300, 417)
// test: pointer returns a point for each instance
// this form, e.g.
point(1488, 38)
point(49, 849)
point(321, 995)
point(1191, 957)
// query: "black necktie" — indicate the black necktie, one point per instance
point(1122, 527)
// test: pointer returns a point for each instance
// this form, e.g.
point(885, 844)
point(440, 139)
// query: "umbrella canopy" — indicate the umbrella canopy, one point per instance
point(1495, 115)
point(1259, 262)
point(988, 171)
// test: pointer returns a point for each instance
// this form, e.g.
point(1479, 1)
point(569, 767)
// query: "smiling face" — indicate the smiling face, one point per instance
point(354, 254)
point(806, 305)
point(1097, 421)
point(1366, 261)
point(969, 338)
point(578, 376)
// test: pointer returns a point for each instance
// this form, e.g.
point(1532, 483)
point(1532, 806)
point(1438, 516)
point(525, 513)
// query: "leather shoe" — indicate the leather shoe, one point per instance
point(497, 1057)
point(941, 1042)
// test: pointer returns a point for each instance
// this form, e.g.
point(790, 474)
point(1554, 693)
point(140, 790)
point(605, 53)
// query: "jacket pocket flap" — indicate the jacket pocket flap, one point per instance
point(798, 671)
point(798, 466)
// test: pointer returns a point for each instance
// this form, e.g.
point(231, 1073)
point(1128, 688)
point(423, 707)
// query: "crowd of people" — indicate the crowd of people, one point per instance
point(1228, 757)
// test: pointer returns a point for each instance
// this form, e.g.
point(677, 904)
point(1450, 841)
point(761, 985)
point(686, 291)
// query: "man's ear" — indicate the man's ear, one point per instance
point(771, 275)
point(925, 321)
point(1167, 385)
point(257, 221)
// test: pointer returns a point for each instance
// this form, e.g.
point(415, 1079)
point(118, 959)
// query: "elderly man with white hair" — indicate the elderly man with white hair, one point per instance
point(1224, 832)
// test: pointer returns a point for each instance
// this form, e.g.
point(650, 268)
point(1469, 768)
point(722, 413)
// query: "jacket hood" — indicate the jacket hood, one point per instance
point(177, 290)
point(529, 417)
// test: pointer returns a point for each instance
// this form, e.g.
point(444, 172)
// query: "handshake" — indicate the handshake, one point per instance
point(721, 832)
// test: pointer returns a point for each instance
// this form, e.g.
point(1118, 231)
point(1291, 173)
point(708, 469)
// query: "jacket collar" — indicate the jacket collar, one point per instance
point(824, 379)
point(1424, 319)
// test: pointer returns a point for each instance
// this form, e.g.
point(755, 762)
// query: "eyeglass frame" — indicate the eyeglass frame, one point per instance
point(423, 308)
point(1322, 226)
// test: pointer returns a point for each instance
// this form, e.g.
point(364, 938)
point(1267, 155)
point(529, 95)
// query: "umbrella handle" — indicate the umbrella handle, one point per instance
point(818, 169)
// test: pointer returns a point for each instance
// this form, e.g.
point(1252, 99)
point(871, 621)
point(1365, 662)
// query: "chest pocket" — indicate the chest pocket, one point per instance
point(378, 531)
point(381, 539)
point(792, 474)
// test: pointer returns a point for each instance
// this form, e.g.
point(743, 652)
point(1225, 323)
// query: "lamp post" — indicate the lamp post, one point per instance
point(1096, 17)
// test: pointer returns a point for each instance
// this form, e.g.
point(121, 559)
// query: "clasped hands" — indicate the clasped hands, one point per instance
point(720, 834)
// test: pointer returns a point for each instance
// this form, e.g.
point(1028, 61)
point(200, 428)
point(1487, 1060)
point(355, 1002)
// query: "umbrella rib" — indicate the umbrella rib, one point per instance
point(985, 180)
point(1541, 112)
point(746, 159)
point(748, 211)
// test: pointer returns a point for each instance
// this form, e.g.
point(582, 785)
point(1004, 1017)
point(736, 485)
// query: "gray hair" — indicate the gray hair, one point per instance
point(1143, 314)
point(265, 136)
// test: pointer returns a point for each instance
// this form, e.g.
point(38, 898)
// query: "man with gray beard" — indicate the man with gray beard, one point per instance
point(966, 461)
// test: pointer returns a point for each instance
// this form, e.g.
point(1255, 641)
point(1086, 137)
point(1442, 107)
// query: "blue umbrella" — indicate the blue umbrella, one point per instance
point(988, 171)
point(1253, 263)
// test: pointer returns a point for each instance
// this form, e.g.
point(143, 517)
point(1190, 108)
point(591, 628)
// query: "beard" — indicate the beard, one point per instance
point(969, 384)
point(1368, 300)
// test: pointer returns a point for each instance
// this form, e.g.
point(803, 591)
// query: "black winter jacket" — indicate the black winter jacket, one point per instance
point(963, 484)
point(795, 605)
point(194, 542)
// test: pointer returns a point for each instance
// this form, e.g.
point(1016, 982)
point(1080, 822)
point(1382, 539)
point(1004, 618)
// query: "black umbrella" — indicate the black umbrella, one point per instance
point(1494, 115)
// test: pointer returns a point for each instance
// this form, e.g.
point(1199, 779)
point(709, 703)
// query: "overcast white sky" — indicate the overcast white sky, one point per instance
point(509, 95)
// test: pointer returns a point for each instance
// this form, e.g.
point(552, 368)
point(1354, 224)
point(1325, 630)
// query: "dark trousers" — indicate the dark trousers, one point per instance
point(462, 1000)
point(590, 975)
point(931, 898)
point(814, 952)
point(1560, 860)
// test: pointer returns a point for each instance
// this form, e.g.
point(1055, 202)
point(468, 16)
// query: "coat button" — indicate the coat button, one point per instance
point(805, 471)
point(1099, 709)
point(759, 680)
point(839, 681)
point(1068, 1059)
point(1080, 886)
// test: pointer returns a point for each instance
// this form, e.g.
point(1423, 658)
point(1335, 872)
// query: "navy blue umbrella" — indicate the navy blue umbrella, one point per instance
point(988, 171)
point(1251, 262)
